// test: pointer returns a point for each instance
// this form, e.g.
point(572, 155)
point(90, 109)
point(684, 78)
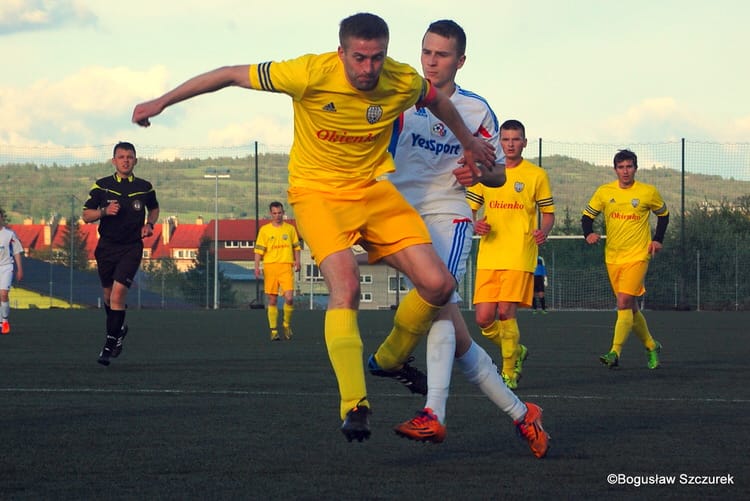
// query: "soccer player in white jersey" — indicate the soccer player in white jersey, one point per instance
point(10, 255)
point(426, 153)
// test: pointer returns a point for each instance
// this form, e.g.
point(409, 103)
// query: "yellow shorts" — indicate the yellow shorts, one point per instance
point(377, 217)
point(507, 286)
point(628, 278)
point(278, 276)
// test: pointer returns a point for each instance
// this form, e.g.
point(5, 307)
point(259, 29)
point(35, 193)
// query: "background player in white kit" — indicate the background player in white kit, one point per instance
point(10, 255)
point(426, 153)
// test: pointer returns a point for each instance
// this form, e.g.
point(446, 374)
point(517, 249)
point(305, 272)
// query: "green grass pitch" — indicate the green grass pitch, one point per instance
point(202, 405)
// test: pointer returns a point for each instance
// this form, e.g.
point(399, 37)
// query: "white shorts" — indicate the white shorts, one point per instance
point(451, 237)
point(6, 277)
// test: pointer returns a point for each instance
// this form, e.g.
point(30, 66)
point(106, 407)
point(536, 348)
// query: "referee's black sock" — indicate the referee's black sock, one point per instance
point(115, 320)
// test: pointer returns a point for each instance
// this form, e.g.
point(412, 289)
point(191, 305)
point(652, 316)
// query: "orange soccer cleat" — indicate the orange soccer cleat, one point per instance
point(530, 428)
point(424, 427)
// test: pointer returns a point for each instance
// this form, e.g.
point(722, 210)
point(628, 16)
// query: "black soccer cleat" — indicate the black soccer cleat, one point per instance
point(109, 347)
point(411, 377)
point(118, 346)
point(356, 426)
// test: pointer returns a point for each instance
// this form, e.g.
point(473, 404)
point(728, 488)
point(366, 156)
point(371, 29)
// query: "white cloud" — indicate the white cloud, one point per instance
point(29, 15)
point(740, 130)
point(75, 109)
point(265, 129)
point(667, 119)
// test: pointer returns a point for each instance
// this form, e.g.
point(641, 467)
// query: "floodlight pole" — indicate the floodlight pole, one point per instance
point(213, 173)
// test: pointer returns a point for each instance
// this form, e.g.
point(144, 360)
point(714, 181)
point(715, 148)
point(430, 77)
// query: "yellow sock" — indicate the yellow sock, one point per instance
point(288, 310)
point(640, 327)
point(273, 317)
point(494, 333)
point(511, 335)
point(344, 346)
point(623, 326)
point(411, 323)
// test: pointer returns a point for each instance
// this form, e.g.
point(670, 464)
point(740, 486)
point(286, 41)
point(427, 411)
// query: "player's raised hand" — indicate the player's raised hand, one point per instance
point(142, 112)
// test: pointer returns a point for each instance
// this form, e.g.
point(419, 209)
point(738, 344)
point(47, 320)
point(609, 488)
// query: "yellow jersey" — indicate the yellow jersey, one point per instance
point(626, 212)
point(276, 244)
point(511, 212)
point(341, 134)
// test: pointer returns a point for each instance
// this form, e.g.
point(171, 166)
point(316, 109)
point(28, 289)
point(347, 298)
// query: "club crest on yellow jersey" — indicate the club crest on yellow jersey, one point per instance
point(374, 114)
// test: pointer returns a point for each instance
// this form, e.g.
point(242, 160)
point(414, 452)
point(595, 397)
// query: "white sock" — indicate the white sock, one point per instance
point(441, 348)
point(479, 369)
point(5, 309)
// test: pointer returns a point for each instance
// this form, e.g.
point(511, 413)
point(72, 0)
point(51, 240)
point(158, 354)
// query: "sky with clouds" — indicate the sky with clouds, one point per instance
point(577, 71)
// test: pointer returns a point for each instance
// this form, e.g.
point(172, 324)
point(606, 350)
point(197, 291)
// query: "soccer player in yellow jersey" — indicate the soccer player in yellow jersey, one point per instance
point(626, 205)
point(509, 245)
point(345, 103)
point(278, 246)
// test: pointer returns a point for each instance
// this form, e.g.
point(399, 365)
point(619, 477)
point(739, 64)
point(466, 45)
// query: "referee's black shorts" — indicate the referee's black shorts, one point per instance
point(118, 262)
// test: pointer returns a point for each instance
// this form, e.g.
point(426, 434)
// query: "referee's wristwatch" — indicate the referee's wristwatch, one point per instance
point(150, 224)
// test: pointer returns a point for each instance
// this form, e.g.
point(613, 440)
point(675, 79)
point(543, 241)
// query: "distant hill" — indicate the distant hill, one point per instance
point(573, 182)
point(44, 191)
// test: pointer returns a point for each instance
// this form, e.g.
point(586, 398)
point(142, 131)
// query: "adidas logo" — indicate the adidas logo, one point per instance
point(329, 107)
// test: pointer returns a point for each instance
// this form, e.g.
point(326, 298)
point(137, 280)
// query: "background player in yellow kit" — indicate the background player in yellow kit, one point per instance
point(626, 205)
point(509, 246)
point(345, 103)
point(278, 246)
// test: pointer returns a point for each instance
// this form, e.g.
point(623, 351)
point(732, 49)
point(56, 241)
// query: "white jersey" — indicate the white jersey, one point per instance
point(426, 153)
point(10, 245)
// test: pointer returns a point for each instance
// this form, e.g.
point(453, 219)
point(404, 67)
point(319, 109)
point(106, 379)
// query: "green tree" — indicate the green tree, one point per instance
point(569, 226)
point(163, 277)
point(72, 251)
point(198, 287)
point(716, 250)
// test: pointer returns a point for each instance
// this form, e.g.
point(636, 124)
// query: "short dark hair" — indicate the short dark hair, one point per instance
point(514, 125)
point(123, 145)
point(276, 204)
point(363, 25)
point(450, 29)
point(623, 155)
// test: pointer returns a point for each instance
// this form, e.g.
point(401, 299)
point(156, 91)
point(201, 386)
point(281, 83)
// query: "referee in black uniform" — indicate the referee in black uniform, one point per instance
point(127, 210)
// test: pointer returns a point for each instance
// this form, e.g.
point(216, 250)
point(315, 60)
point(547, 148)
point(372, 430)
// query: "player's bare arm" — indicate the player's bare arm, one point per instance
point(475, 150)
point(148, 228)
point(540, 234)
point(207, 82)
